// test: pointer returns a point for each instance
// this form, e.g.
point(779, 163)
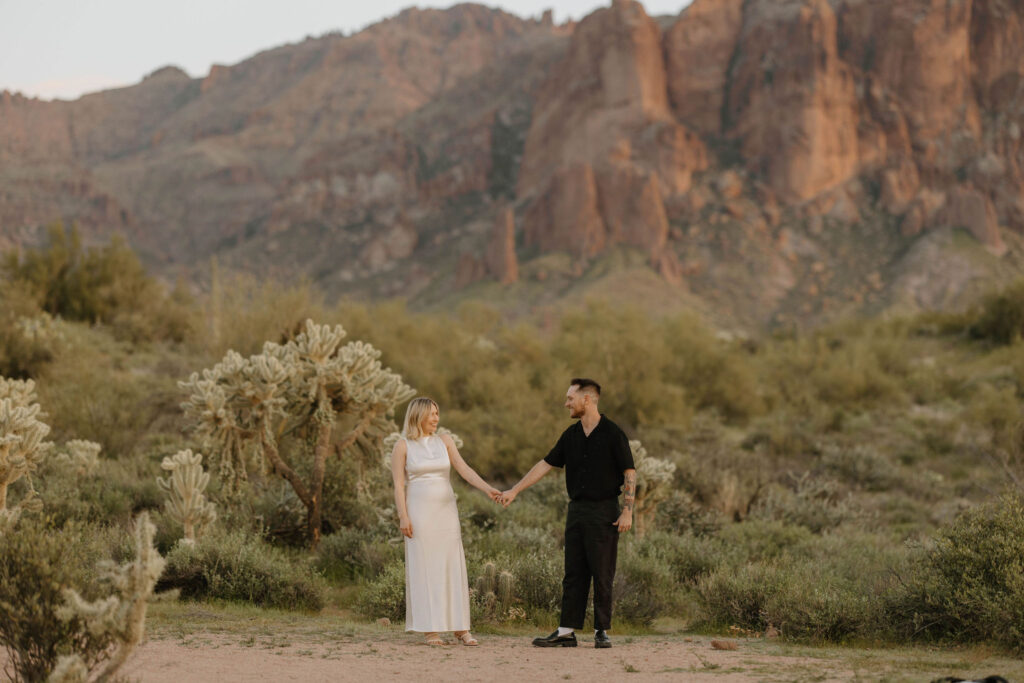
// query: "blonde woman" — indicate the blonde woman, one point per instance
point(436, 584)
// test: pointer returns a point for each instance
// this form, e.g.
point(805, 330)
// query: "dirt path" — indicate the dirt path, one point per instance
point(499, 658)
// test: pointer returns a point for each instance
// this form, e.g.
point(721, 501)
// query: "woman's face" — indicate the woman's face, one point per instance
point(430, 422)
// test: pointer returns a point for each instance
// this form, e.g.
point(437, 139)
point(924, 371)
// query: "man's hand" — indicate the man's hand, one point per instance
point(507, 497)
point(625, 520)
point(405, 526)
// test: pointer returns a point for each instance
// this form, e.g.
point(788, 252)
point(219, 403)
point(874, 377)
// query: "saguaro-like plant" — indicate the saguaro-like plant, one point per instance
point(185, 488)
point(122, 615)
point(495, 589)
point(22, 447)
point(653, 483)
point(312, 392)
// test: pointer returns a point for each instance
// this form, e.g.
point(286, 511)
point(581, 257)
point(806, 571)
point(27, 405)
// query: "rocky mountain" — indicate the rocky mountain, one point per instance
point(767, 161)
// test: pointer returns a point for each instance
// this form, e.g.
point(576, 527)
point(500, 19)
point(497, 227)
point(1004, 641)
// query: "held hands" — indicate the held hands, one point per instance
point(507, 497)
point(625, 520)
point(494, 494)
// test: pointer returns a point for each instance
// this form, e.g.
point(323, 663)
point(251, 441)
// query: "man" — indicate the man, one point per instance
point(597, 460)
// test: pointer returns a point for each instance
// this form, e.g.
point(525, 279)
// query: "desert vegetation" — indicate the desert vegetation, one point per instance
point(860, 481)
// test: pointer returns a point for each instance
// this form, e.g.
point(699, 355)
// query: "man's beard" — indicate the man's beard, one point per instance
point(575, 413)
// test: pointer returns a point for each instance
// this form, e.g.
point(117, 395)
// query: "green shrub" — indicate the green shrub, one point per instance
point(1001, 318)
point(815, 503)
point(385, 595)
point(801, 599)
point(538, 578)
point(861, 465)
point(968, 585)
point(353, 553)
point(37, 562)
point(644, 588)
point(236, 566)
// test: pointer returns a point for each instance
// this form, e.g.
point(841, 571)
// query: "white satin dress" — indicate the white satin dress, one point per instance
point(436, 584)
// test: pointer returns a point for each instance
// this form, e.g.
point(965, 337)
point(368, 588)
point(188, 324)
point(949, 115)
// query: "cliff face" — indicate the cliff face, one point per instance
point(778, 159)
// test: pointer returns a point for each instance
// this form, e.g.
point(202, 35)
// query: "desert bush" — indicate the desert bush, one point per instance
point(242, 311)
point(36, 562)
point(679, 514)
point(106, 284)
point(804, 600)
point(1000, 319)
point(385, 595)
point(350, 553)
point(239, 567)
point(862, 465)
point(818, 504)
point(644, 588)
point(538, 578)
point(968, 584)
point(29, 338)
point(114, 491)
point(757, 540)
point(715, 373)
point(718, 474)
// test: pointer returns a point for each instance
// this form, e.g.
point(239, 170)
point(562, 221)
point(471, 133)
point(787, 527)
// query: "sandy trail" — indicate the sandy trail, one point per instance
point(499, 658)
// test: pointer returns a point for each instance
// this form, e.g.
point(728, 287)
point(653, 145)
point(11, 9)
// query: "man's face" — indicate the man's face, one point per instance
point(576, 402)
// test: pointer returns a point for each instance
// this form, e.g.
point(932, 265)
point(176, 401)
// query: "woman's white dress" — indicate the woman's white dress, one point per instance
point(436, 584)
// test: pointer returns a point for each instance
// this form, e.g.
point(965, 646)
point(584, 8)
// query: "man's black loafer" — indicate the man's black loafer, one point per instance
point(555, 640)
point(601, 639)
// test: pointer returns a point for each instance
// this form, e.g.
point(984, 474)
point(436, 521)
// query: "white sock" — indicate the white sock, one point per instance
point(563, 631)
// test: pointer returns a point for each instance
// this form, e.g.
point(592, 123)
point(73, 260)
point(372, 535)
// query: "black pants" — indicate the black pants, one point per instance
point(591, 546)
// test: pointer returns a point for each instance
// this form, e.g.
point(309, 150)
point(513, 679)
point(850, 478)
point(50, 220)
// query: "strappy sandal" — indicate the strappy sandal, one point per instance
point(467, 639)
point(434, 640)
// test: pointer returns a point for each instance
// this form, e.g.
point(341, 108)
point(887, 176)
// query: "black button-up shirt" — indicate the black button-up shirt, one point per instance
point(593, 464)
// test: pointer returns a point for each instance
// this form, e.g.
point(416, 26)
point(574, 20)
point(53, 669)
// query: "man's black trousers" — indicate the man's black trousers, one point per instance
point(591, 546)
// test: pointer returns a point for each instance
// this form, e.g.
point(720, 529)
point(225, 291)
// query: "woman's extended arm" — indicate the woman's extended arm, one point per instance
point(465, 471)
point(398, 475)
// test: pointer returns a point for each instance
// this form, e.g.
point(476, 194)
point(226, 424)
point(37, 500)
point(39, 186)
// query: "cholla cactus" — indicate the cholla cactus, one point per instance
point(653, 480)
point(80, 456)
point(185, 488)
point(121, 615)
point(494, 589)
point(241, 407)
point(21, 445)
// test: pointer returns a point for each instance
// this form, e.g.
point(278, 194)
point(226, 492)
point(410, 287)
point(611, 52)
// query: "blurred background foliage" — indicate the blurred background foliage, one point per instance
point(861, 480)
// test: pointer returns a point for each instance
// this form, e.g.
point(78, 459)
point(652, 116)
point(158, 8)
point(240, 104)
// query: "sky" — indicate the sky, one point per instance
point(64, 48)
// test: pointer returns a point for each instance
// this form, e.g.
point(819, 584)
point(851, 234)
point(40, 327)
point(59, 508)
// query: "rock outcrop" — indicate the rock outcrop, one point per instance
point(777, 159)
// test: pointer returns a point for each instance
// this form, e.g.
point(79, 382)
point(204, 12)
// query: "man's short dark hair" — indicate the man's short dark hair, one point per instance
point(582, 383)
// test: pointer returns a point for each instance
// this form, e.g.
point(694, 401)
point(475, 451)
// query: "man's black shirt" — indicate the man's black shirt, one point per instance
point(593, 464)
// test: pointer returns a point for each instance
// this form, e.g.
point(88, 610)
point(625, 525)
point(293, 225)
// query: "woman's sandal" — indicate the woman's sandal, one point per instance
point(434, 640)
point(467, 638)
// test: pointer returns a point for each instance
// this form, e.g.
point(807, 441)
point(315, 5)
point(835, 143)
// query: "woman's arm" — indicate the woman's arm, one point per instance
point(465, 471)
point(398, 475)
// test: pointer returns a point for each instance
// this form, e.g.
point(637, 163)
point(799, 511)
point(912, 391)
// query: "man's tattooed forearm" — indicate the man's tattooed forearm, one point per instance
point(630, 491)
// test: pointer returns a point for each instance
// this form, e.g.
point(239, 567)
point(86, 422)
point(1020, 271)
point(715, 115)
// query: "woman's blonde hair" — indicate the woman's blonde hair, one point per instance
point(415, 414)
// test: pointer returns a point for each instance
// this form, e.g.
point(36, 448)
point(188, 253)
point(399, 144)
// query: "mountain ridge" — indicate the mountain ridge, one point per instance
point(770, 162)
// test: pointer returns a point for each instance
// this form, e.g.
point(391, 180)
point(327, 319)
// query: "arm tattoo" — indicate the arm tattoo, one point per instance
point(630, 490)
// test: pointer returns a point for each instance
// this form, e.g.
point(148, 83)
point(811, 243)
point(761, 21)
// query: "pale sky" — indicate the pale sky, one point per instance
point(64, 48)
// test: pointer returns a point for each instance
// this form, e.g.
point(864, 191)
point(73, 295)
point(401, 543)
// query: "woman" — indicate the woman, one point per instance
point(436, 584)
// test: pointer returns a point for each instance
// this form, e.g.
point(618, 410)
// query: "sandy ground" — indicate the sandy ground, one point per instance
point(499, 658)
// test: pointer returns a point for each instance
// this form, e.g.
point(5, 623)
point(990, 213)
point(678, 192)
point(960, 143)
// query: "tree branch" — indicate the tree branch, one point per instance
point(282, 469)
